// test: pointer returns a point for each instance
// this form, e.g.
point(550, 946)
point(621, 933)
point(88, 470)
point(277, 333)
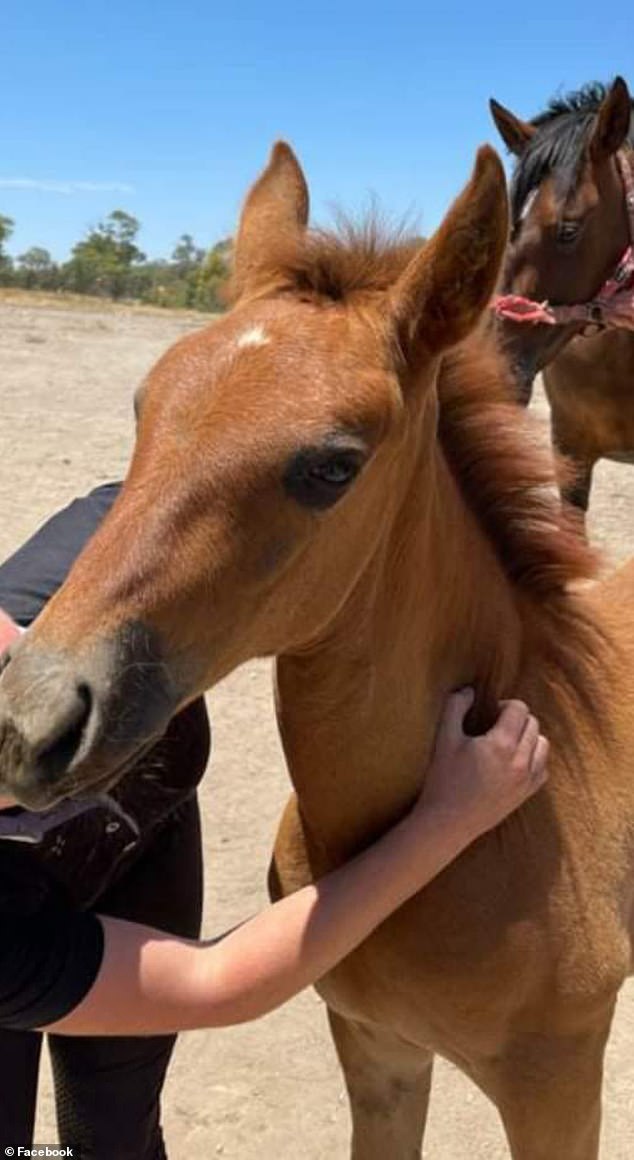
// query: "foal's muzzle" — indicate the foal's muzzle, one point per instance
point(72, 723)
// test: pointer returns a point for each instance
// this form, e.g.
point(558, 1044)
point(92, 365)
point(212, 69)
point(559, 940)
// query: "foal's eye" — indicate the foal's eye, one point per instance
point(568, 232)
point(318, 476)
point(336, 472)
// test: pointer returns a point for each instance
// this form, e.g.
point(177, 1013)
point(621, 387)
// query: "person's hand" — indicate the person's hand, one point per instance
point(479, 780)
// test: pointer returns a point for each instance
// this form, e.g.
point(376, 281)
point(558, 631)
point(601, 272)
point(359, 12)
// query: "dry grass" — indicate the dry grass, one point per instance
point(62, 300)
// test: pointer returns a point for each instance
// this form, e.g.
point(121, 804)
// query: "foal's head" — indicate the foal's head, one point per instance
point(569, 216)
point(271, 447)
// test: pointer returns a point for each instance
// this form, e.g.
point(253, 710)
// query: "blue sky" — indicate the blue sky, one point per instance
point(167, 110)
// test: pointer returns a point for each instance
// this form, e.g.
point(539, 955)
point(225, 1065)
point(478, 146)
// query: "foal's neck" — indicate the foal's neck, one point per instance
point(359, 711)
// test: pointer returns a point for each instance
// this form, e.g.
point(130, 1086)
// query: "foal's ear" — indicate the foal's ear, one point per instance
point(613, 122)
point(276, 207)
point(442, 293)
point(515, 133)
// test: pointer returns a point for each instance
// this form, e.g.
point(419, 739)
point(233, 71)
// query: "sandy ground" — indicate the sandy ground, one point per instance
point(271, 1091)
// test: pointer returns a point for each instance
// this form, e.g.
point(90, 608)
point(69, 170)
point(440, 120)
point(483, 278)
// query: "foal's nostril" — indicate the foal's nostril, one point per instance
point(57, 750)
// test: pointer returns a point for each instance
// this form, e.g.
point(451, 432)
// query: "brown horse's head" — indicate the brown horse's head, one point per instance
point(271, 448)
point(569, 217)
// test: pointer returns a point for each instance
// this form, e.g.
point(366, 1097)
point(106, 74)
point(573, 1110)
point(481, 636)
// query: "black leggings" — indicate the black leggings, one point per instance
point(108, 1088)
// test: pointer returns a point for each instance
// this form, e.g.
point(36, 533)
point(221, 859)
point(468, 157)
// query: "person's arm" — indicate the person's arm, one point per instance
point(153, 983)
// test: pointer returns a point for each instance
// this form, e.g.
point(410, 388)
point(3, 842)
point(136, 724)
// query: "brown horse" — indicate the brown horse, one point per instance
point(571, 227)
point(333, 474)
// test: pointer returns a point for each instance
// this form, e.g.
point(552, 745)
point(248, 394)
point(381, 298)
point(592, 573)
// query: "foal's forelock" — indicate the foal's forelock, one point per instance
point(359, 259)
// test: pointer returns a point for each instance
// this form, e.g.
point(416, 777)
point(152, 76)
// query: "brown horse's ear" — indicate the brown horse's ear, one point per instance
point(442, 293)
point(613, 122)
point(515, 134)
point(276, 207)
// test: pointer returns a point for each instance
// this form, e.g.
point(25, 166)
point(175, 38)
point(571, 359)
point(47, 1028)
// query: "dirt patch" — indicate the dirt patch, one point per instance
point(272, 1091)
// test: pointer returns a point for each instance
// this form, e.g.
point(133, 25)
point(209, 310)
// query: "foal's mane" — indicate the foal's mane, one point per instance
point(558, 146)
point(506, 475)
point(508, 478)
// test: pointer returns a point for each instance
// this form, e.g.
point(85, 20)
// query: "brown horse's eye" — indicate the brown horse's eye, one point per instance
point(568, 232)
point(318, 476)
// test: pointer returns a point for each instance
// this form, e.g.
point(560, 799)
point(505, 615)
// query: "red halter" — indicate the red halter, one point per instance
point(613, 306)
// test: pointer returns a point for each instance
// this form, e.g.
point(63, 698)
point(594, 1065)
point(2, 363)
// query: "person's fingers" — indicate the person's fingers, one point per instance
point(512, 720)
point(456, 708)
point(527, 742)
point(539, 764)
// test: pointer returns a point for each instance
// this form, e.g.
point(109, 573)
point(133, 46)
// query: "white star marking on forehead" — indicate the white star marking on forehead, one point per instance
point(528, 205)
point(255, 336)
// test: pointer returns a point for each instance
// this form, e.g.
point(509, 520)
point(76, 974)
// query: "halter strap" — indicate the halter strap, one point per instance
point(625, 169)
point(612, 307)
point(31, 827)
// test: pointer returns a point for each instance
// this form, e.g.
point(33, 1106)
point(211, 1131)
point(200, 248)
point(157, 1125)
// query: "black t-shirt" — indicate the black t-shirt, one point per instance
point(30, 577)
point(50, 952)
point(50, 949)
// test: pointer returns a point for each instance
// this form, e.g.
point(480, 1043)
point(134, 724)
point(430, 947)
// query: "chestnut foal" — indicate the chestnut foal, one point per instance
point(333, 474)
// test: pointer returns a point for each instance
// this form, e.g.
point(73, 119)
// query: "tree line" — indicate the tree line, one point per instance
point(108, 263)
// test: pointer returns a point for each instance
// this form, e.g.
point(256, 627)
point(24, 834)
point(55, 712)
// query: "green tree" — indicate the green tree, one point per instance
point(177, 285)
point(104, 262)
point(213, 277)
point(108, 261)
point(186, 254)
point(36, 269)
point(6, 265)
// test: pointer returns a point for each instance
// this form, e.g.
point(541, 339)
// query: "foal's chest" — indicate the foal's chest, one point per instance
point(492, 941)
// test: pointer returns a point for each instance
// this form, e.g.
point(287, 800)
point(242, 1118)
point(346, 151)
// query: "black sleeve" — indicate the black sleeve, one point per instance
point(30, 577)
point(50, 953)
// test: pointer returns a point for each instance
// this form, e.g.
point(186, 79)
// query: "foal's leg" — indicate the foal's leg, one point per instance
point(548, 1092)
point(388, 1082)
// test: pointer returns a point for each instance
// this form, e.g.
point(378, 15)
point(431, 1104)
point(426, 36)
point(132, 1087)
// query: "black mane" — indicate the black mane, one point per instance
point(558, 145)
